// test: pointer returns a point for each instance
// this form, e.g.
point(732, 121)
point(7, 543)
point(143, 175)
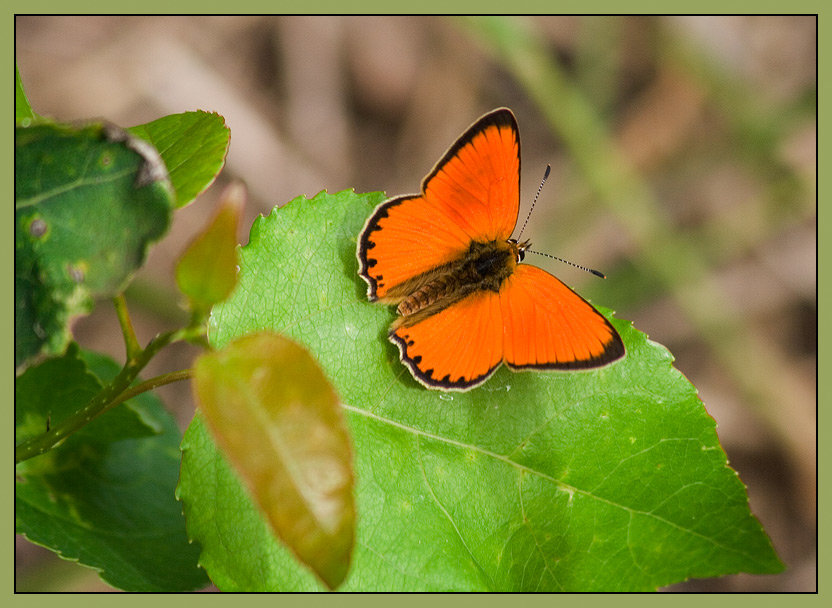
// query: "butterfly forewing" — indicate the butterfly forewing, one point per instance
point(472, 194)
point(477, 182)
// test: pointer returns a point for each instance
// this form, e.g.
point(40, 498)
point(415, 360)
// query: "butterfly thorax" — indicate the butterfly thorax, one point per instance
point(483, 267)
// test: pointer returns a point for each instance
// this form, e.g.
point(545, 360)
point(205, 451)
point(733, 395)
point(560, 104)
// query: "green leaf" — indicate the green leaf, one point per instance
point(279, 420)
point(52, 391)
point(88, 202)
point(105, 497)
point(610, 479)
point(207, 271)
point(193, 146)
point(23, 114)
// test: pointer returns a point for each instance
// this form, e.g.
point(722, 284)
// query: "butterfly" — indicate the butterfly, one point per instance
point(465, 302)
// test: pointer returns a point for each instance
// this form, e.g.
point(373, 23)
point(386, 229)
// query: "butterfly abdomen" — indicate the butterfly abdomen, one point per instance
point(484, 267)
point(426, 295)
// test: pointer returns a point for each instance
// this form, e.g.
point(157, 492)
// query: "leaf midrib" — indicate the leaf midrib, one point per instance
point(541, 474)
point(81, 182)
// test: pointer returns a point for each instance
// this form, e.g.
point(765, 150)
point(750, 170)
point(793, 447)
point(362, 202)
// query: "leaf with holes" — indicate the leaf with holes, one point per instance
point(88, 203)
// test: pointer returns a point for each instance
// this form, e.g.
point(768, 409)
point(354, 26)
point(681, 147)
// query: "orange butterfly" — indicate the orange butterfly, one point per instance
point(446, 259)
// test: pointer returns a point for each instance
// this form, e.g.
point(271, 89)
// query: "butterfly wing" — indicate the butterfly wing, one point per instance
point(472, 194)
point(458, 347)
point(546, 325)
point(476, 184)
point(535, 321)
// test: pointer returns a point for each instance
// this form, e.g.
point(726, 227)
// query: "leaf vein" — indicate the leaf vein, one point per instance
point(448, 515)
point(542, 475)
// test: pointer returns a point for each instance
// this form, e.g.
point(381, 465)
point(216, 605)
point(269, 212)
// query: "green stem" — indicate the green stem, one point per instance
point(108, 397)
point(131, 344)
point(153, 383)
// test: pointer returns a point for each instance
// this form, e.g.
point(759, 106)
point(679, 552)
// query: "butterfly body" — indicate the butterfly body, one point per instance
point(483, 267)
point(466, 302)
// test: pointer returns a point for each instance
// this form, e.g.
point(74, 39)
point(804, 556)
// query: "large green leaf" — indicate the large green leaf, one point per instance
point(104, 497)
point(88, 202)
point(193, 146)
point(611, 479)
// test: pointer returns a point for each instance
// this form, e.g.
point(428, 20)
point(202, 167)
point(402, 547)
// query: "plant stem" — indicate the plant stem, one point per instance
point(117, 391)
point(131, 344)
point(149, 385)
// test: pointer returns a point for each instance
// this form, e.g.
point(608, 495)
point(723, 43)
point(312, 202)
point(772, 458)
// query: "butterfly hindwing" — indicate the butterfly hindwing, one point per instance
point(402, 240)
point(549, 326)
point(458, 347)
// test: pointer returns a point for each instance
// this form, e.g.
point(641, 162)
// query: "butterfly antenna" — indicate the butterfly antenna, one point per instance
point(539, 188)
point(595, 272)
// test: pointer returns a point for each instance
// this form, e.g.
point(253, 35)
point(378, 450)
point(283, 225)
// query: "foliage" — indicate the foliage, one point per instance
point(336, 469)
point(95, 482)
point(103, 497)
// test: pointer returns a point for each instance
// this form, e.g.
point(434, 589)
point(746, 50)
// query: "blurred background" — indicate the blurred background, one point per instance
point(683, 153)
